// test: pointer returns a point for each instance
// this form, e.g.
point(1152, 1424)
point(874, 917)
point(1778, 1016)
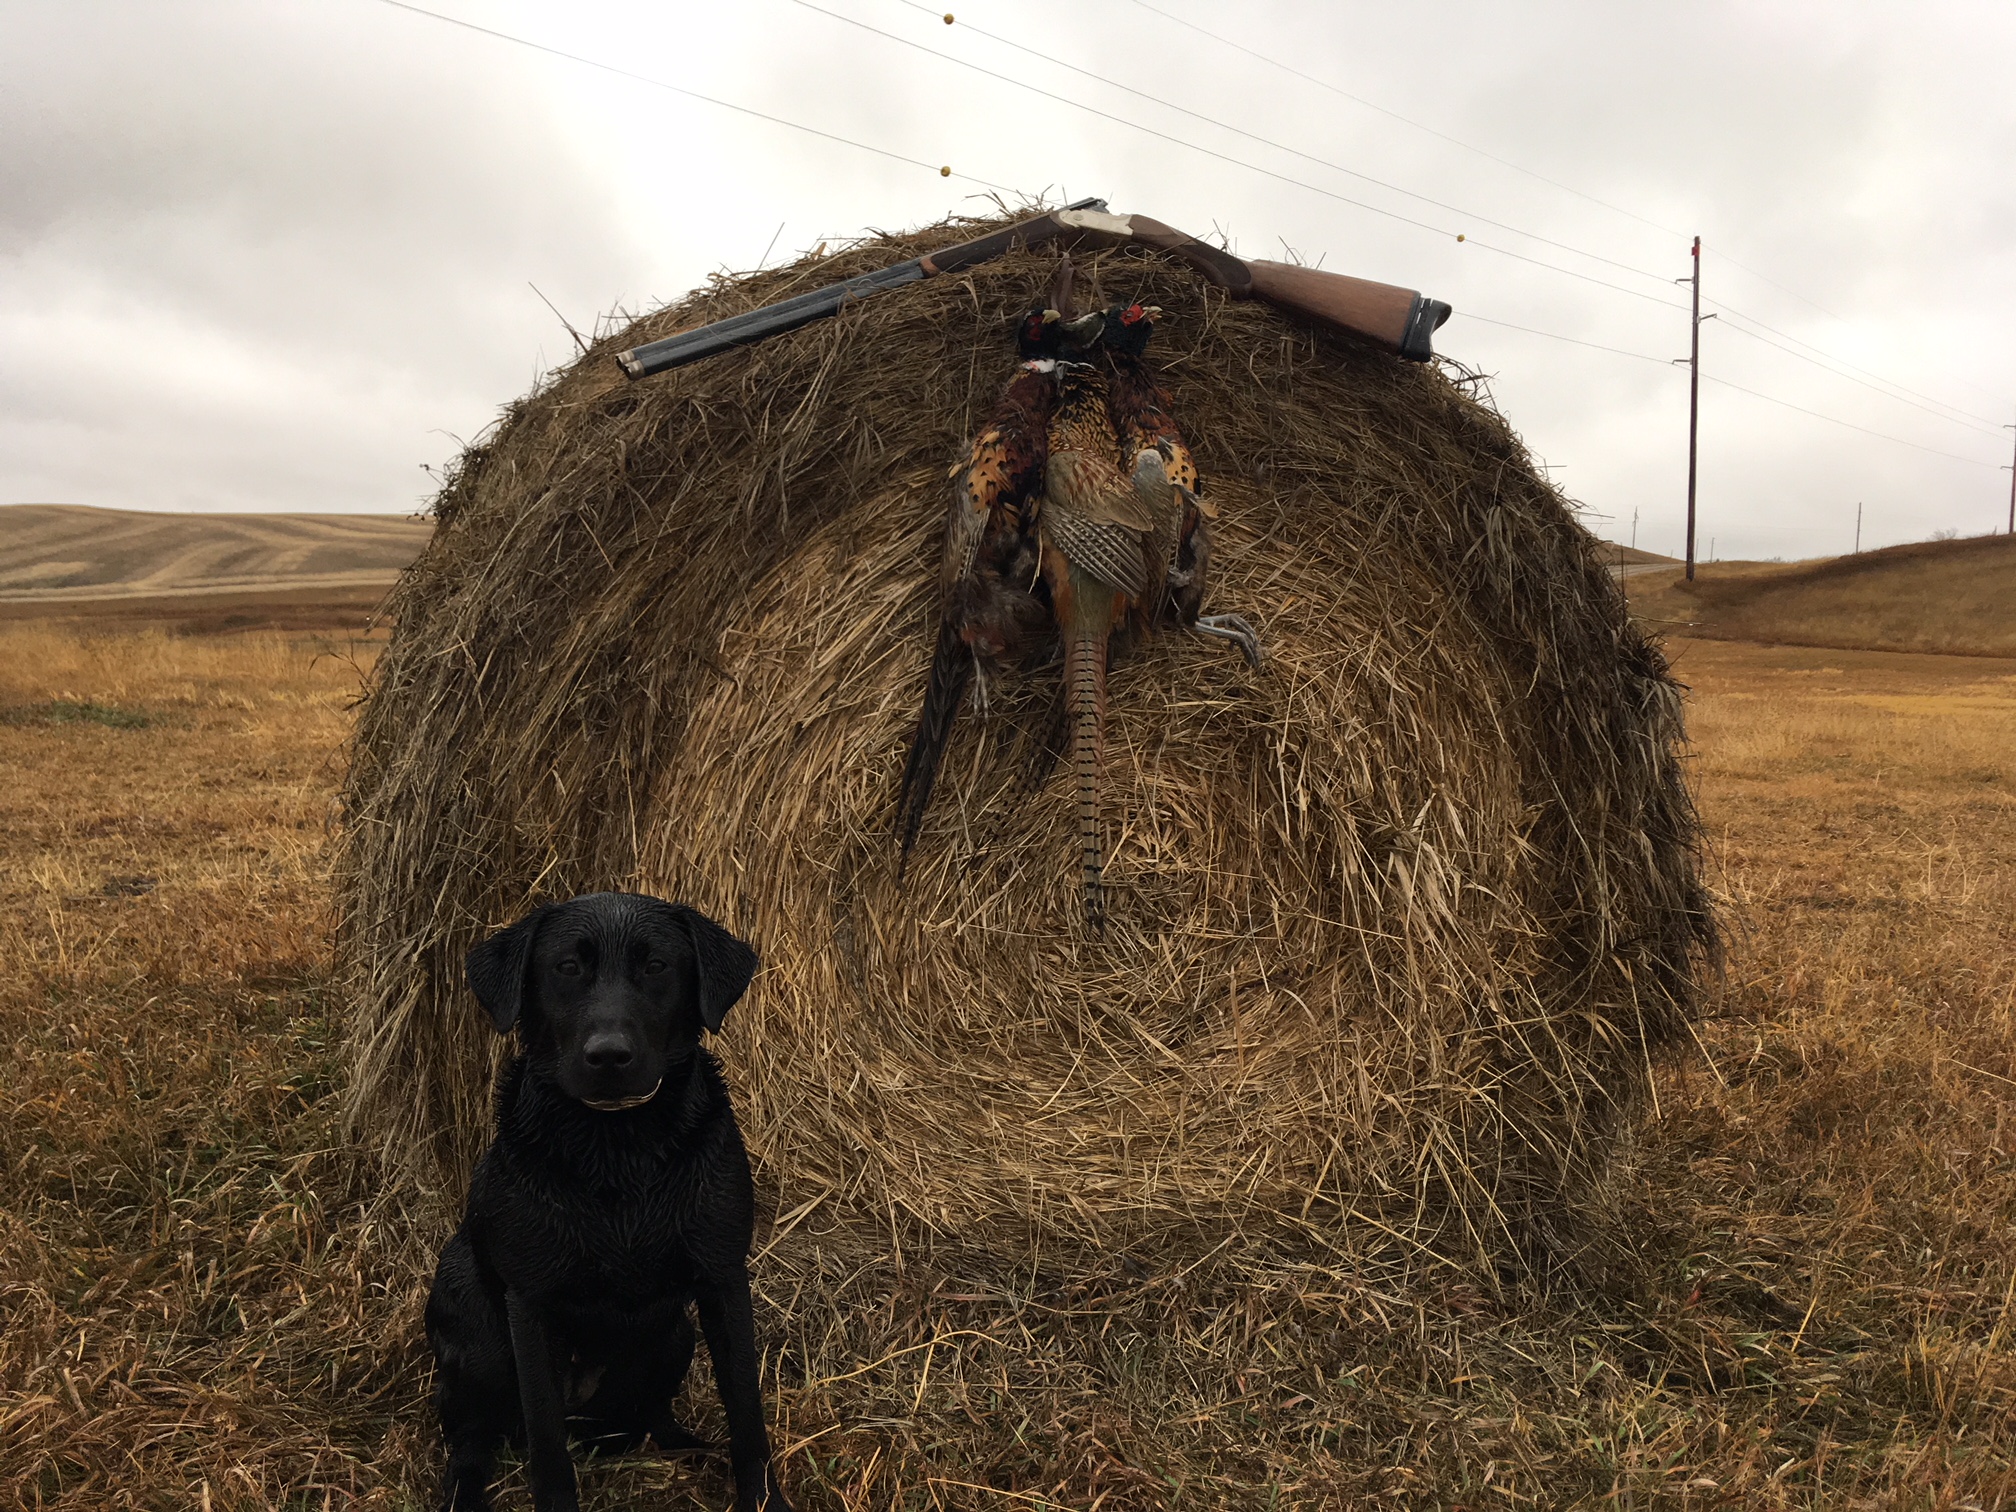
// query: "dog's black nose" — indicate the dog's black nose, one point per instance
point(608, 1052)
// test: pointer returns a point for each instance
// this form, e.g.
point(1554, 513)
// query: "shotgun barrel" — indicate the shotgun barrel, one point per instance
point(1401, 320)
point(803, 309)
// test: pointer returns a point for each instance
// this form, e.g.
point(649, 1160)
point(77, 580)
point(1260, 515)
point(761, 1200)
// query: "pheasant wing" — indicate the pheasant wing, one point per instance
point(986, 526)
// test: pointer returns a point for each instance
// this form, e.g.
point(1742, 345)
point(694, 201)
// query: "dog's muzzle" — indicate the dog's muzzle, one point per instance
point(618, 1104)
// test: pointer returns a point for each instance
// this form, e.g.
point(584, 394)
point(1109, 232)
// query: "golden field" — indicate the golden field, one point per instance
point(206, 1303)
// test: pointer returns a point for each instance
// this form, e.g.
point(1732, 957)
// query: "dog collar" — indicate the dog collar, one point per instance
point(619, 1104)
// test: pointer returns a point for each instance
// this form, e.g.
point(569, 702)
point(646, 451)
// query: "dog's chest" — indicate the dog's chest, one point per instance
point(626, 1236)
point(636, 1243)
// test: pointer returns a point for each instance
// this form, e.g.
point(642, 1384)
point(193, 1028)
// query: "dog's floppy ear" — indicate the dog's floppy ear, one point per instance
point(722, 965)
point(497, 969)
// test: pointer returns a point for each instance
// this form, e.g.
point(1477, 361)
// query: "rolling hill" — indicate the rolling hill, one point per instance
point(201, 572)
point(1632, 556)
point(53, 553)
point(1957, 597)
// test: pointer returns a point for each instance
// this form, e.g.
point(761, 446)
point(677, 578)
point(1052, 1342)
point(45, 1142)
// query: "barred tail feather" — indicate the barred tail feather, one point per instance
point(1085, 682)
point(951, 672)
point(1046, 748)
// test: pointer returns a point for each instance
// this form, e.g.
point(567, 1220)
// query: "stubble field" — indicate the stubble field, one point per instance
point(205, 1303)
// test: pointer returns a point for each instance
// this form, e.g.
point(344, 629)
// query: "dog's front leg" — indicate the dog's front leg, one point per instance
point(551, 1468)
point(730, 1326)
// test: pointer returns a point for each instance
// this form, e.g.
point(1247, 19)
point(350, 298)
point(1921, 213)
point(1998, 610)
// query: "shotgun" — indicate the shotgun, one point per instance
point(1398, 319)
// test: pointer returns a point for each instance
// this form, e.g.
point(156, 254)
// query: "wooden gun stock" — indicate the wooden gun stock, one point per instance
point(1393, 317)
point(1398, 319)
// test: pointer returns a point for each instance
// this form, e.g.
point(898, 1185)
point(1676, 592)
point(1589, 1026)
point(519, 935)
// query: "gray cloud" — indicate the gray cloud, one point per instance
point(264, 257)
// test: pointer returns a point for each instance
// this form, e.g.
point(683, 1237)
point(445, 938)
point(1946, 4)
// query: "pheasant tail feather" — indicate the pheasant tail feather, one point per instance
point(951, 672)
point(1085, 684)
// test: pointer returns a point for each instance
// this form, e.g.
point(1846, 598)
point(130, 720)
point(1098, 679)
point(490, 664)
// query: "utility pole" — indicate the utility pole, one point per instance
point(1693, 403)
point(2012, 490)
point(1693, 361)
point(1858, 527)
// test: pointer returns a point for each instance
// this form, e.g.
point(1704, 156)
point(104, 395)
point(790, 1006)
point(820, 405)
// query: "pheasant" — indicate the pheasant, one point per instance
point(1077, 506)
point(988, 611)
point(1141, 417)
point(1102, 534)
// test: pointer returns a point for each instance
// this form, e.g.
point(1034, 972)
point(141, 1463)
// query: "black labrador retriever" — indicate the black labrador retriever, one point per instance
point(615, 1192)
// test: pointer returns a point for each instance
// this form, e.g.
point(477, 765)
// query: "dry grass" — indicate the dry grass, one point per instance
point(282, 610)
point(1846, 1171)
point(1956, 597)
point(199, 1290)
point(194, 1312)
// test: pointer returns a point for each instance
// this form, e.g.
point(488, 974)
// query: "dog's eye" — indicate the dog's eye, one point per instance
point(567, 968)
point(653, 967)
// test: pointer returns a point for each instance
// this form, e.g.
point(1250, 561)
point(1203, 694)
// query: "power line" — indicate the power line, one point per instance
point(1724, 382)
point(1979, 421)
point(1519, 168)
point(989, 184)
point(1727, 309)
point(1408, 120)
point(1812, 304)
point(1874, 388)
point(1251, 136)
point(884, 152)
point(693, 94)
point(1223, 157)
point(1879, 385)
point(1850, 424)
point(1557, 336)
point(1104, 115)
point(1503, 162)
point(1601, 283)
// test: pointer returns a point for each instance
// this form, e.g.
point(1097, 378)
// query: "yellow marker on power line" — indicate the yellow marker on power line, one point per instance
point(948, 18)
point(1459, 236)
point(945, 172)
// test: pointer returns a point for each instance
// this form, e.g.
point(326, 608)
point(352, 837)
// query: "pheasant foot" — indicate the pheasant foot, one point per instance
point(1234, 628)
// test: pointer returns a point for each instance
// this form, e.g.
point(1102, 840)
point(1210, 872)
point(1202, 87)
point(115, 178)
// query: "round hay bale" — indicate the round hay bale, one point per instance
point(1396, 923)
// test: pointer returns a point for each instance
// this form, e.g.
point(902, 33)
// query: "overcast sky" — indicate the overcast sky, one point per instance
point(277, 254)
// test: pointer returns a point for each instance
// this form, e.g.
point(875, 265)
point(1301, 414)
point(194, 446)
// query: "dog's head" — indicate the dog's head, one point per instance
point(609, 990)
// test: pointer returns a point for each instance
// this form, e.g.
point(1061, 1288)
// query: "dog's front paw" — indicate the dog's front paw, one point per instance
point(465, 1496)
point(764, 1495)
point(673, 1437)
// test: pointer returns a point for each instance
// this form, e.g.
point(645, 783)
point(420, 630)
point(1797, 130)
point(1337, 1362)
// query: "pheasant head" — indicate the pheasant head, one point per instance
point(1037, 337)
point(1128, 329)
